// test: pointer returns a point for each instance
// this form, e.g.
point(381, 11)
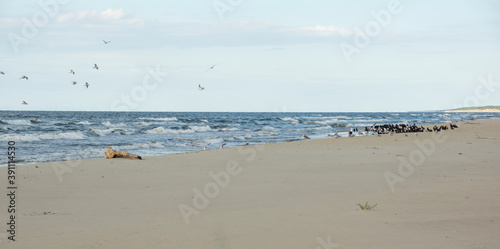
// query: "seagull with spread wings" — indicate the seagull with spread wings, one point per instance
point(212, 67)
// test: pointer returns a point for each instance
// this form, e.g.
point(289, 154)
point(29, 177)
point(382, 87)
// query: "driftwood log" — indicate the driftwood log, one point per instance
point(110, 153)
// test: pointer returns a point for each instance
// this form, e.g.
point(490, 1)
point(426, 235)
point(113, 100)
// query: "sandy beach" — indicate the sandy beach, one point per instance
point(476, 110)
point(431, 190)
point(483, 109)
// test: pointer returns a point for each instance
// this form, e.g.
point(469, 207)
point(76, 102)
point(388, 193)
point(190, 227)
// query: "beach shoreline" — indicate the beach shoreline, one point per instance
point(78, 135)
point(432, 190)
point(480, 110)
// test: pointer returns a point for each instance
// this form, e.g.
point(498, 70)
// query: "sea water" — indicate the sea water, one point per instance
point(47, 136)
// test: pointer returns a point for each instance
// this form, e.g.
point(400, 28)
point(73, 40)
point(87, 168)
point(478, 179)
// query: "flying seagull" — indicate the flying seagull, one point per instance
point(74, 82)
point(222, 145)
point(212, 67)
point(24, 103)
point(106, 42)
point(205, 147)
point(71, 71)
point(24, 77)
point(200, 87)
point(96, 67)
point(2, 72)
point(87, 84)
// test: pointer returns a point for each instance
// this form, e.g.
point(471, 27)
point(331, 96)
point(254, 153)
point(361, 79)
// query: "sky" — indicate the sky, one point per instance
point(269, 56)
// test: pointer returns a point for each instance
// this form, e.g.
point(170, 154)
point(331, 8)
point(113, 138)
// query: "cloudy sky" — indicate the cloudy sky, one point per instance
point(320, 55)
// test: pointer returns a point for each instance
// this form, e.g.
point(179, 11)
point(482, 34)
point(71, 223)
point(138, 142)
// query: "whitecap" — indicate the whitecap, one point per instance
point(160, 119)
point(83, 123)
point(107, 123)
point(142, 124)
point(17, 122)
point(244, 137)
point(213, 141)
point(200, 128)
point(229, 129)
point(325, 127)
point(266, 128)
point(161, 130)
point(327, 121)
point(141, 146)
point(45, 136)
point(360, 125)
point(291, 120)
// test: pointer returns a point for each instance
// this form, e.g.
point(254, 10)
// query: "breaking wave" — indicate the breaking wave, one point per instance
point(291, 120)
point(83, 123)
point(160, 119)
point(38, 137)
point(107, 123)
point(16, 122)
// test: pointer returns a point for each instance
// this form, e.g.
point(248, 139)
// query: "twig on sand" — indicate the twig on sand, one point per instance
point(487, 137)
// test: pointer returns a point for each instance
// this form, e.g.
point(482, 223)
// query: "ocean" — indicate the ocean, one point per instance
point(48, 136)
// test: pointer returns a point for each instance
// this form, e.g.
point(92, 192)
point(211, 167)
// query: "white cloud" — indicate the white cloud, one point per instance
point(320, 30)
point(108, 14)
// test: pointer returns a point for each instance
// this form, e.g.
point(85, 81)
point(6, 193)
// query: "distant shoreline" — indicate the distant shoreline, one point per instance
point(476, 110)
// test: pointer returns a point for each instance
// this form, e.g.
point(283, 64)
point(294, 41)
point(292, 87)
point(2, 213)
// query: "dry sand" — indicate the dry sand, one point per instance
point(288, 195)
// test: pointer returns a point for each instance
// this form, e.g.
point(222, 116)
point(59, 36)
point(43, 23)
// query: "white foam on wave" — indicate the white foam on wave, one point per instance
point(327, 121)
point(83, 123)
point(204, 121)
point(369, 120)
point(191, 129)
point(243, 137)
point(267, 128)
point(200, 128)
point(340, 117)
point(160, 119)
point(142, 124)
point(229, 129)
point(289, 119)
point(45, 136)
point(17, 122)
point(325, 127)
point(213, 141)
point(107, 123)
point(141, 146)
point(161, 130)
point(360, 125)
